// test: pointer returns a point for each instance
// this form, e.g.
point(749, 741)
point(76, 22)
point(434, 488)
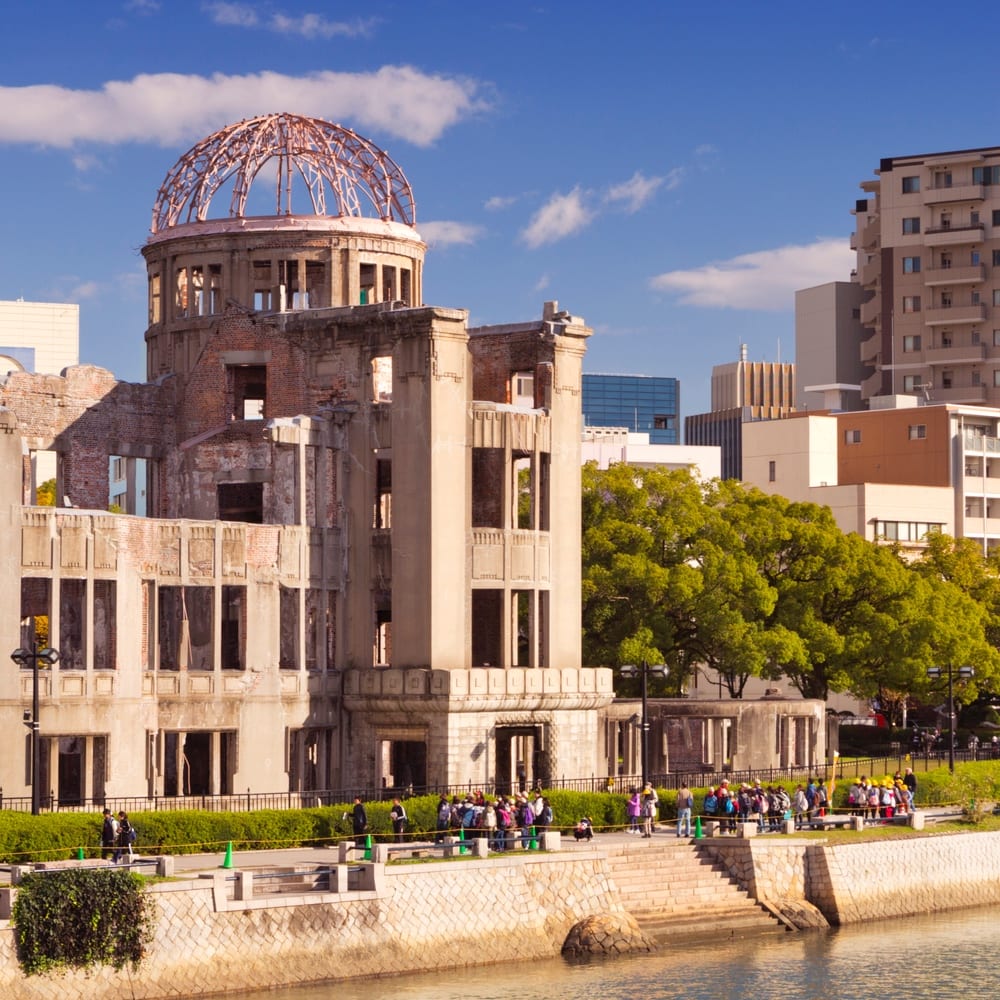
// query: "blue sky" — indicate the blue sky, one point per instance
point(671, 172)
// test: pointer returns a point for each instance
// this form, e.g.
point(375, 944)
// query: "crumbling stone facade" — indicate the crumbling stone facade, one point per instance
point(358, 564)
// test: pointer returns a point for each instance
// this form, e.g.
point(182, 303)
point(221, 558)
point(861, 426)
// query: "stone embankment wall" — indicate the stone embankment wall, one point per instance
point(418, 917)
point(447, 914)
point(850, 883)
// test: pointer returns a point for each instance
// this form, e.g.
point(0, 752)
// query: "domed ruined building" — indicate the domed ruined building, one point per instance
point(348, 548)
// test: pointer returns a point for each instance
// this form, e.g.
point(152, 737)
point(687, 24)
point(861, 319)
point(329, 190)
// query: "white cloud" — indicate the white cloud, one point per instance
point(561, 216)
point(543, 282)
point(638, 189)
point(239, 15)
point(497, 203)
point(243, 15)
point(766, 279)
point(170, 108)
point(443, 234)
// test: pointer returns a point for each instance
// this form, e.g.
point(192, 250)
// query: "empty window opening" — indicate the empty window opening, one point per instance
point(241, 502)
point(128, 480)
point(36, 597)
point(542, 490)
point(367, 275)
point(181, 292)
point(315, 616)
point(44, 486)
point(200, 763)
point(234, 628)
point(382, 646)
point(383, 494)
point(72, 619)
point(390, 288)
point(404, 286)
point(518, 758)
point(288, 653)
point(105, 625)
point(185, 632)
point(522, 389)
point(523, 629)
point(382, 379)
point(487, 487)
point(263, 286)
point(248, 391)
point(523, 491)
point(487, 610)
point(155, 298)
point(148, 625)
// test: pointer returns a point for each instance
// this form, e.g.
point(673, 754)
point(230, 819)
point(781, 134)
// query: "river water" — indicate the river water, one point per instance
point(952, 955)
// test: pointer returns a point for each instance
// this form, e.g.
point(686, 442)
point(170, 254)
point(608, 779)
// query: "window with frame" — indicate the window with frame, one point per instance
point(977, 379)
point(911, 303)
point(911, 342)
point(852, 436)
point(917, 432)
point(911, 383)
point(911, 185)
point(947, 380)
point(771, 470)
point(974, 337)
point(996, 378)
point(973, 218)
point(911, 225)
point(911, 265)
point(996, 338)
point(942, 179)
point(996, 296)
point(974, 298)
point(974, 258)
point(945, 339)
point(986, 175)
point(945, 300)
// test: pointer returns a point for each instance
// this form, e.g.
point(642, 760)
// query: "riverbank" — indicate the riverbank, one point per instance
point(397, 918)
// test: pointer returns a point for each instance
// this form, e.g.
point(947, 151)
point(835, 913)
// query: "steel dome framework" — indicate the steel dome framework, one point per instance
point(325, 156)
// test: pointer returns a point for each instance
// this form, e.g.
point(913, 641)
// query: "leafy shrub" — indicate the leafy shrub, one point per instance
point(81, 917)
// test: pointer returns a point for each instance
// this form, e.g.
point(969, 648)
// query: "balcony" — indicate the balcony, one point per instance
point(972, 275)
point(946, 236)
point(968, 354)
point(871, 271)
point(871, 233)
point(871, 311)
point(964, 394)
point(961, 192)
point(870, 349)
point(955, 315)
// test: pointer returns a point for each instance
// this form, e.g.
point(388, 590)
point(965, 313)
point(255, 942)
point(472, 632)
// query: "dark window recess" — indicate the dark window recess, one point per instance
point(241, 502)
point(487, 608)
point(487, 487)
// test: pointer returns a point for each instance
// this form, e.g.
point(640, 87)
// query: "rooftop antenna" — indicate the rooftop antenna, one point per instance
point(925, 388)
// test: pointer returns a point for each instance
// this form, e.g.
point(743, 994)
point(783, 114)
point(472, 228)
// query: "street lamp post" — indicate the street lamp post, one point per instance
point(643, 671)
point(964, 673)
point(23, 657)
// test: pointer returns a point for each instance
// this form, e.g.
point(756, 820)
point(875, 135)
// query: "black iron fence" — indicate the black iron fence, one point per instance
point(622, 784)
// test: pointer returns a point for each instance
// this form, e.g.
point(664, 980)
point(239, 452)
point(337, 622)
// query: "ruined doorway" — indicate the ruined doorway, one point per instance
point(520, 761)
point(404, 765)
point(70, 771)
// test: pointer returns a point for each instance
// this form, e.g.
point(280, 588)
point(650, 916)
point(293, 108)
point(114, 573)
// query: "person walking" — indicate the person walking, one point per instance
point(125, 839)
point(359, 821)
point(109, 836)
point(633, 810)
point(685, 803)
point(648, 815)
point(397, 814)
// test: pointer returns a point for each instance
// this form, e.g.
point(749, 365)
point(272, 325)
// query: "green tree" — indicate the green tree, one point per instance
point(45, 494)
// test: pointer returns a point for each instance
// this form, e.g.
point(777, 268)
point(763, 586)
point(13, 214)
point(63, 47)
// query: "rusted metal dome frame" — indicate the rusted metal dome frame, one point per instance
point(323, 154)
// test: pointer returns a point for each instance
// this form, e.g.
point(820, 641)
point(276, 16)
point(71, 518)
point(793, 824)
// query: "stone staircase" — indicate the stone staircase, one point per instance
point(673, 888)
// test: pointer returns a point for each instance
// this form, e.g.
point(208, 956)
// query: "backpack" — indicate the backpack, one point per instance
point(131, 834)
point(444, 813)
point(711, 804)
point(729, 805)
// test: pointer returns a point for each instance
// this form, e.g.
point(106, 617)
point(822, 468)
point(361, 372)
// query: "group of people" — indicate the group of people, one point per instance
point(499, 819)
point(642, 810)
point(117, 836)
point(884, 799)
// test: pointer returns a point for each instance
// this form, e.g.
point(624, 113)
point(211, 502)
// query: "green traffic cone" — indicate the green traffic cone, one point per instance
point(461, 836)
point(368, 847)
point(227, 862)
point(533, 843)
point(79, 854)
point(698, 835)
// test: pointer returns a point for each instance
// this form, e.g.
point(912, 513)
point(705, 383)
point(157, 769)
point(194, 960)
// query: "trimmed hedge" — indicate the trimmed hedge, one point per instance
point(56, 836)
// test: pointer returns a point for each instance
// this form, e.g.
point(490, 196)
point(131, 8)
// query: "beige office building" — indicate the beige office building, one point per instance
point(928, 245)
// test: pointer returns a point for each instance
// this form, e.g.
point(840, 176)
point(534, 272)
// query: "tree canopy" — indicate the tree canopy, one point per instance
point(694, 574)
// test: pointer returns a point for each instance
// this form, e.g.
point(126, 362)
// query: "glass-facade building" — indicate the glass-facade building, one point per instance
point(645, 404)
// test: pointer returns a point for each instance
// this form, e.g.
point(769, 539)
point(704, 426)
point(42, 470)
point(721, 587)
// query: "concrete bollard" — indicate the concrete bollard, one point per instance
point(6, 902)
point(712, 828)
point(857, 823)
point(244, 886)
point(344, 849)
point(480, 847)
point(379, 854)
point(917, 820)
point(338, 878)
point(788, 826)
point(746, 830)
point(165, 866)
point(551, 840)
